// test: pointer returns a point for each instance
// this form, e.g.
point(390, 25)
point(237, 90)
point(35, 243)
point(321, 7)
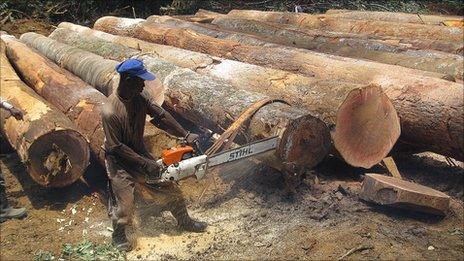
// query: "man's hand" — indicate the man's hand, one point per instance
point(16, 113)
point(192, 138)
point(152, 168)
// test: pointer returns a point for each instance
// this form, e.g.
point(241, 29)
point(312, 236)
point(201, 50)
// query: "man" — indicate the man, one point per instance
point(127, 159)
point(6, 211)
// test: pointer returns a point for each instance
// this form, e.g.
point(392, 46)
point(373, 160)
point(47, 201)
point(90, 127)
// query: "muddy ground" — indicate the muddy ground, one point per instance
point(250, 216)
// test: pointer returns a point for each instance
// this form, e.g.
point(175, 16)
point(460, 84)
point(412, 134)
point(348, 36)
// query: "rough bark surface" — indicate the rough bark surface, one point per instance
point(430, 109)
point(324, 99)
point(399, 193)
point(214, 104)
point(397, 17)
point(93, 69)
point(47, 142)
point(377, 28)
point(354, 47)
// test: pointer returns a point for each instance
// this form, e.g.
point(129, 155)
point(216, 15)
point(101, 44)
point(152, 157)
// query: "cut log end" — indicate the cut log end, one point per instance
point(305, 142)
point(367, 127)
point(58, 158)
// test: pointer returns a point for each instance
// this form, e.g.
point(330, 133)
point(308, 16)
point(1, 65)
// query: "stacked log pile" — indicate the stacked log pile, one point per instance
point(430, 108)
point(347, 46)
point(423, 36)
point(214, 104)
point(344, 105)
point(47, 142)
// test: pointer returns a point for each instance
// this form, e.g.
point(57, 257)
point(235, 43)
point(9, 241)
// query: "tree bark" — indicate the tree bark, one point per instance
point(375, 28)
point(397, 17)
point(430, 109)
point(214, 104)
point(353, 47)
point(328, 99)
point(47, 142)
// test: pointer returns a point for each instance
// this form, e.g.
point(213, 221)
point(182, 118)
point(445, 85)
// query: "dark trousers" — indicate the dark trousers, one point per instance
point(3, 199)
point(123, 184)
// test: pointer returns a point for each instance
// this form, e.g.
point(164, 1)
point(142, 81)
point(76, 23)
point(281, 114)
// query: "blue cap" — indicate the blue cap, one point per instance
point(135, 67)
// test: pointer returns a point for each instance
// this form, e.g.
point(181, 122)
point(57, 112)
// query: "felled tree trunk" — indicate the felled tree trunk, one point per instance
point(354, 47)
point(93, 69)
point(397, 17)
point(47, 142)
point(430, 109)
point(376, 28)
point(329, 100)
point(214, 104)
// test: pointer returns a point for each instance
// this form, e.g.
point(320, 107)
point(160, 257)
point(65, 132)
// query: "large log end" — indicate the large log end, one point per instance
point(367, 127)
point(399, 193)
point(58, 158)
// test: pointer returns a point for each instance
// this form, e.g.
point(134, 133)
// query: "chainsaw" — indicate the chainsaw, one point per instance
point(185, 161)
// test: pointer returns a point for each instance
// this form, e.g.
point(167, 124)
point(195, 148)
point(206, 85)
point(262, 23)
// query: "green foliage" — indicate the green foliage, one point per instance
point(78, 11)
point(85, 250)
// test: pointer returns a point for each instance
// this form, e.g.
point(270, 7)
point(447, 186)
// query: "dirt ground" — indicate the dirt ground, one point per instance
point(25, 25)
point(250, 216)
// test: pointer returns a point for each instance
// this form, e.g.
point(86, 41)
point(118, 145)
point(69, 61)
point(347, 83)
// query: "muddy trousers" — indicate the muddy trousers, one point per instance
point(3, 199)
point(155, 199)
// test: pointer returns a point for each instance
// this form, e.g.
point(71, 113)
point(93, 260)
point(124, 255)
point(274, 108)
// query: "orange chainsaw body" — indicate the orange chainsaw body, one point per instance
point(176, 154)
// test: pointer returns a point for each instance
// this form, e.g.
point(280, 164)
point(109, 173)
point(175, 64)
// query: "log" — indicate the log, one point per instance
point(47, 142)
point(430, 109)
point(354, 47)
point(214, 104)
point(374, 28)
point(397, 17)
point(390, 191)
point(329, 99)
point(93, 69)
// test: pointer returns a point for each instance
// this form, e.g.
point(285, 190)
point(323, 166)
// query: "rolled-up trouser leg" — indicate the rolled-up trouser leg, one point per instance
point(122, 184)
